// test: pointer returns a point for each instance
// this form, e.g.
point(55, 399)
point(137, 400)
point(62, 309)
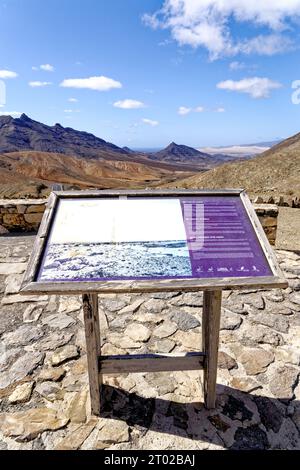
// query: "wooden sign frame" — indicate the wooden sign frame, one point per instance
point(31, 286)
point(99, 364)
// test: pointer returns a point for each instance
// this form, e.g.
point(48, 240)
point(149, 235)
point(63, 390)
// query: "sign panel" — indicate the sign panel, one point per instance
point(142, 238)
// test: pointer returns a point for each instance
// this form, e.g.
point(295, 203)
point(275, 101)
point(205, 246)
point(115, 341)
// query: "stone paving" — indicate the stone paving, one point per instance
point(44, 400)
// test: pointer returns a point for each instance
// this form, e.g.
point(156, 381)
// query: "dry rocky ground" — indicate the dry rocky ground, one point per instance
point(44, 402)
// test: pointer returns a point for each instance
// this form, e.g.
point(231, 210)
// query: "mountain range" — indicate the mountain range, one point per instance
point(34, 157)
point(275, 172)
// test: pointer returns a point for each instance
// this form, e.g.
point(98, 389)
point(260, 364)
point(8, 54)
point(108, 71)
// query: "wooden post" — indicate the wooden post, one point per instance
point(93, 348)
point(210, 344)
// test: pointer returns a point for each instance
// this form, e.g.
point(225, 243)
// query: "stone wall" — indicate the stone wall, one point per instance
point(268, 214)
point(20, 215)
point(282, 201)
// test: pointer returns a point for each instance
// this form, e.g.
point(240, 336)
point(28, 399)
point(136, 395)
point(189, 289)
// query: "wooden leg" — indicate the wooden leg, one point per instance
point(93, 347)
point(210, 344)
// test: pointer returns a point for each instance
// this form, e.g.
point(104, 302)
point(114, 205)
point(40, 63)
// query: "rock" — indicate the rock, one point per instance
point(120, 321)
point(270, 414)
point(8, 356)
point(22, 393)
point(251, 438)
point(13, 284)
point(219, 423)
point(12, 268)
point(22, 367)
point(3, 231)
point(226, 362)
point(258, 334)
point(77, 408)
point(230, 320)
point(58, 320)
point(32, 313)
point(295, 298)
point(54, 341)
point(63, 354)
point(149, 317)
point(276, 308)
point(296, 418)
point(189, 299)
point(111, 432)
point(27, 425)
point(52, 374)
point(161, 382)
point(166, 329)
point(49, 390)
point(23, 335)
point(69, 304)
point(132, 308)
point(189, 340)
point(33, 218)
point(162, 346)
point(123, 342)
point(138, 332)
point(288, 354)
point(273, 321)
point(283, 381)
point(245, 384)
point(154, 306)
point(256, 300)
point(18, 298)
point(255, 360)
point(275, 295)
point(113, 305)
point(110, 350)
point(236, 409)
point(76, 438)
point(184, 321)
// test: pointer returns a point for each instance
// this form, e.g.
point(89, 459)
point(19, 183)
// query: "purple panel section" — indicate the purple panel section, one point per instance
point(221, 239)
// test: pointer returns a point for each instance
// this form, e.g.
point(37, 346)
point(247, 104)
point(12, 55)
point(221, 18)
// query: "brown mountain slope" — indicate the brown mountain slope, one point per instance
point(31, 173)
point(275, 172)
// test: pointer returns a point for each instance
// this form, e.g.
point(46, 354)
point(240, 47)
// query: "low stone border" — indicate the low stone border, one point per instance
point(21, 215)
point(25, 215)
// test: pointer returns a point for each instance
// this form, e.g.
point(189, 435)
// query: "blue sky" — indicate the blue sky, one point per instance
point(193, 72)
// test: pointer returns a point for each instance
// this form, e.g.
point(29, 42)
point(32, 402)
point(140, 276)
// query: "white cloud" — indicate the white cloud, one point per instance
point(150, 122)
point(220, 110)
point(183, 110)
point(73, 100)
point(7, 74)
point(129, 104)
point(210, 24)
point(71, 111)
point(255, 86)
point(47, 67)
point(38, 84)
point(34, 68)
point(100, 83)
point(14, 114)
point(237, 65)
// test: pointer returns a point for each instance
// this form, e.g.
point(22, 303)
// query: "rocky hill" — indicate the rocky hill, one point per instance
point(26, 134)
point(32, 174)
point(275, 172)
point(185, 155)
point(34, 156)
